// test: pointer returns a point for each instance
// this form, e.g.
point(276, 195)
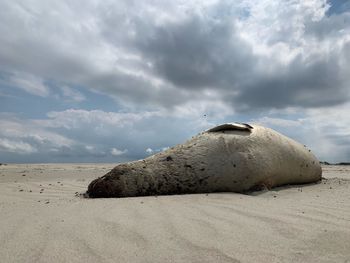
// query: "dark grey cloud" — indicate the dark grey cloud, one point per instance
point(166, 54)
point(197, 53)
point(322, 82)
point(204, 51)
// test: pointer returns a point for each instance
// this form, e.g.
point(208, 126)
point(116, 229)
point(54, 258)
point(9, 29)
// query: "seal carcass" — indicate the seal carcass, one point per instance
point(232, 157)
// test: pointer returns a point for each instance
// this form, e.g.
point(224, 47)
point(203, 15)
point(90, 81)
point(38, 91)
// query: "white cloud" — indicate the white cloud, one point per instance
point(29, 130)
point(149, 151)
point(29, 83)
point(89, 148)
point(116, 152)
point(18, 147)
point(72, 95)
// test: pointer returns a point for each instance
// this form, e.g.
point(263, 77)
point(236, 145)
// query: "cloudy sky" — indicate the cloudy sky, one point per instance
point(111, 81)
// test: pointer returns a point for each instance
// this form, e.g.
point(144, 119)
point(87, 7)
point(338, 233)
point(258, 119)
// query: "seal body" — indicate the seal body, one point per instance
point(227, 158)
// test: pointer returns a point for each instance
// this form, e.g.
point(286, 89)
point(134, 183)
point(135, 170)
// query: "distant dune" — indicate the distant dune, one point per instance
point(341, 163)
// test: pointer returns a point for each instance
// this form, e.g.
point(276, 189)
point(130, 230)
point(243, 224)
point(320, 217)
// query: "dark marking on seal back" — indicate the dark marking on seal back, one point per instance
point(231, 127)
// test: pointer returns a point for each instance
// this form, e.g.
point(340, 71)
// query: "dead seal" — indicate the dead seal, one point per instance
point(232, 157)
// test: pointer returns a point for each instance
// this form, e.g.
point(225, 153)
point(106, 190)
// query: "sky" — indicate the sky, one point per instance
point(115, 81)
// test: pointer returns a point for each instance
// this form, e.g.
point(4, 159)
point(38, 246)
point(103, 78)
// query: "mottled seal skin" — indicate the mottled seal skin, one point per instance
point(231, 157)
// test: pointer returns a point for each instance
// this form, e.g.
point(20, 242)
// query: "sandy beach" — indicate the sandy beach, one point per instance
point(44, 219)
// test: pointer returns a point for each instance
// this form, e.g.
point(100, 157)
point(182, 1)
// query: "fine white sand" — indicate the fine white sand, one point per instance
point(42, 220)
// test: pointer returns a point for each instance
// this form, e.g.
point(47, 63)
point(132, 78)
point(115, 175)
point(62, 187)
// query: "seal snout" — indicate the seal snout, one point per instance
point(99, 188)
point(110, 185)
